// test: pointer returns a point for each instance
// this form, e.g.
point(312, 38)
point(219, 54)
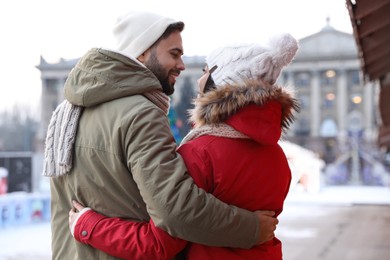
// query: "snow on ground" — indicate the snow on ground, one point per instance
point(346, 195)
point(25, 242)
point(33, 241)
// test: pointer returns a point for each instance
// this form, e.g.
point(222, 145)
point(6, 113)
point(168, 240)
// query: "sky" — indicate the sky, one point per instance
point(55, 29)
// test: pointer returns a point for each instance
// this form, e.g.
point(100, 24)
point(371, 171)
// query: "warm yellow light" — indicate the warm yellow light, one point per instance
point(330, 73)
point(357, 99)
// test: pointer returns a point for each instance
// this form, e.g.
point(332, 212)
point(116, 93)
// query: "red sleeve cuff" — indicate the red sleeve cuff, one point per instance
point(85, 225)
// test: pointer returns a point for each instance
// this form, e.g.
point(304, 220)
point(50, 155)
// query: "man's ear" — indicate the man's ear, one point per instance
point(142, 58)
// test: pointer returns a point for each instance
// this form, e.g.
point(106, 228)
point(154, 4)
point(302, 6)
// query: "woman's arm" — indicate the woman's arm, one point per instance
point(122, 238)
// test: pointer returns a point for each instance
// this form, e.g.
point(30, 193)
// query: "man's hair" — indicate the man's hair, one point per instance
point(174, 27)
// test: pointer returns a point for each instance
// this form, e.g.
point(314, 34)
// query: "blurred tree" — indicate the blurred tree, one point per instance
point(17, 130)
point(175, 124)
point(184, 104)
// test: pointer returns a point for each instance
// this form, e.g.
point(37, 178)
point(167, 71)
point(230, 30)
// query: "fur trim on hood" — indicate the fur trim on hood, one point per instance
point(216, 106)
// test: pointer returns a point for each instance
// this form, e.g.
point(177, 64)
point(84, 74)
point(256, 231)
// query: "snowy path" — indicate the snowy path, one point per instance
point(25, 242)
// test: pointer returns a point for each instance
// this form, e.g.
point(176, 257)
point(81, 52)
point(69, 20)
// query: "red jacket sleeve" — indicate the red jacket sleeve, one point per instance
point(126, 239)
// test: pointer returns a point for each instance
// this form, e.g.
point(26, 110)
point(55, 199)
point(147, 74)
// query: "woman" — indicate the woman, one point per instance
point(232, 153)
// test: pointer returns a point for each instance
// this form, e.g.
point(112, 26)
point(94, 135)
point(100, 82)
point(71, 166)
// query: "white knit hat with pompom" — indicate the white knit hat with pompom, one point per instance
point(240, 62)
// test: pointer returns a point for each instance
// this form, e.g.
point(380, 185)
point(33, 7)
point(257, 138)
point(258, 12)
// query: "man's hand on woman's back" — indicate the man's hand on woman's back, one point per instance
point(268, 225)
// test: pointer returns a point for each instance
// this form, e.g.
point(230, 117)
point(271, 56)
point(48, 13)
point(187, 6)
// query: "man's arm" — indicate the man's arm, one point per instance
point(173, 201)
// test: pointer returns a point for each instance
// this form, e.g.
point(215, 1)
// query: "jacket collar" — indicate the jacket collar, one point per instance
point(217, 106)
point(103, 75)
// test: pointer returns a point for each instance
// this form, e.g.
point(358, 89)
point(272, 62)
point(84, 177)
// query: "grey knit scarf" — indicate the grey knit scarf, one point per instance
point(62, 129)
point(60, 137)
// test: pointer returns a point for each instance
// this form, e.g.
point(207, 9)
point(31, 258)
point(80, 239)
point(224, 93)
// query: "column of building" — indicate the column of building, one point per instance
point(315, 104)
point(60, 89)
point(342, 103)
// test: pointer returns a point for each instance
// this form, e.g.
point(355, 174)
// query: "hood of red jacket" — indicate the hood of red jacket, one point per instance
point(254, 108)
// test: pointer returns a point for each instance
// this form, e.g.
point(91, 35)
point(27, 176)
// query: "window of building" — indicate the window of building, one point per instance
point(354, 78)
point(328, 78)
point(329, 100)
point(304, 102)
point(355, 101)
point(302, 127)
point(302, 79)
point(328, 128)
point(51, 86)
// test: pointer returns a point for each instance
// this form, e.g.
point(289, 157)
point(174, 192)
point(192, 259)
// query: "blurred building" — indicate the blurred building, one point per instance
point(339, 117)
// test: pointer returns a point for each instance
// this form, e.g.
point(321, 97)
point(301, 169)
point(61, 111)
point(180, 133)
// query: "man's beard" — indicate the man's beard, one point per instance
point(161, 74)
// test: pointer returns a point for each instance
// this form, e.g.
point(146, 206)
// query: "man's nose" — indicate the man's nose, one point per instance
point(181, 65)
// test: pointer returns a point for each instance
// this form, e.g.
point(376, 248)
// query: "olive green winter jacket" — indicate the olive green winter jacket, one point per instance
point(125, 164)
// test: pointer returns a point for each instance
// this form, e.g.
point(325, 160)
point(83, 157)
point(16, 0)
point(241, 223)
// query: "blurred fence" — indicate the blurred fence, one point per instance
point(22, 208)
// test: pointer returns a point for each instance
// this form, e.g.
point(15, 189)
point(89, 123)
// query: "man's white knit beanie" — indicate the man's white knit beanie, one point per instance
point(135, 32)
point(239, 62)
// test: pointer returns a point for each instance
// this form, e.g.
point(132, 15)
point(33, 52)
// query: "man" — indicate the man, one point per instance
point(124, 156)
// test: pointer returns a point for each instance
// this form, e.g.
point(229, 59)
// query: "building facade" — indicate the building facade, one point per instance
point(339, 116)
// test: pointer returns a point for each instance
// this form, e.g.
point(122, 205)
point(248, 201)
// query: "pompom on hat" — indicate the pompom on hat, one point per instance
point(236, 63)
point(136, 31)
